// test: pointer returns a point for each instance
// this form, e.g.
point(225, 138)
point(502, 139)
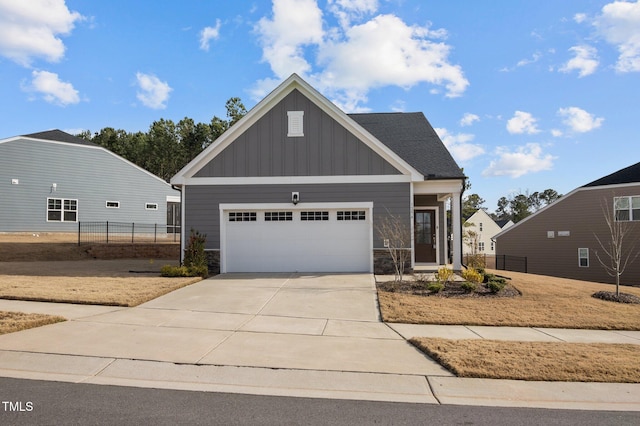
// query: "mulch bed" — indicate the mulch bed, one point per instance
point(452, 289)
point(611, 296)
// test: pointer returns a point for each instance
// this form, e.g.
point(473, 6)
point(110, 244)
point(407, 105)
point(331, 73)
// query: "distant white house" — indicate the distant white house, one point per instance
point(479, 231)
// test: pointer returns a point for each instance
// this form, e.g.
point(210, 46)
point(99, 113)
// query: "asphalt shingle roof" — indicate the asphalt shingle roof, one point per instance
point(411, 136)
point(629, 174)
point(59, 136)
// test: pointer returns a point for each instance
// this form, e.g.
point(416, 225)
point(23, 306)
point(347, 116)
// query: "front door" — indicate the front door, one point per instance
point(425, 236)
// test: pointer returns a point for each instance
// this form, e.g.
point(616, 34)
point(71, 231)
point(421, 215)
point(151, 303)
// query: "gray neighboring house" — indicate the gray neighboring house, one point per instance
point(560, 239)
point(298, 185)
point(50, 181)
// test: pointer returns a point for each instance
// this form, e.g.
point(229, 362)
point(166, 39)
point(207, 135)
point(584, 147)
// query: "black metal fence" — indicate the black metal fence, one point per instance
point(511, 263)
point(121, 232)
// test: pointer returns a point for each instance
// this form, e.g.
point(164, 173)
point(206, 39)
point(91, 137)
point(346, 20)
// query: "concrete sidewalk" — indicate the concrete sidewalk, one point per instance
point(282, 334)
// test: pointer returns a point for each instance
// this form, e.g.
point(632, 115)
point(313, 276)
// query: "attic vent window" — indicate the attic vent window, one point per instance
point(295, 128)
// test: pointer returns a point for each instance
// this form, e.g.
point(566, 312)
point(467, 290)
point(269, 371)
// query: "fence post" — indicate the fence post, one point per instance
point(155, 232)
point(78, 233)
point(107, 232)
point(525, 264)
point(133, 227)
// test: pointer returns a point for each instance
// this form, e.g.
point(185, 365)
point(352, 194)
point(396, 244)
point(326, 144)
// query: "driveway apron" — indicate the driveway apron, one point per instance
point(326, 322)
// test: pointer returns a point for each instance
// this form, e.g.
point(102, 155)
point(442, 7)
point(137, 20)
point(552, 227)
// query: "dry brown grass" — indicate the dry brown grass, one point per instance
point(545, 302)
point(17, 321)
point(544, 361)
point(96, 290)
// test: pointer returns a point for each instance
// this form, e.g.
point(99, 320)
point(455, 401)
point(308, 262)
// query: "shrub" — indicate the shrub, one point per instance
point(435, 287)
point(472, 275)
point(469, 287)
point(496, 284)
point(194, 254)
point(444, 275)
point(183, 271)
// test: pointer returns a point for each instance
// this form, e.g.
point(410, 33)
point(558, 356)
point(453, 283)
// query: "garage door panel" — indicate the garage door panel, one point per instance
point(297, 245)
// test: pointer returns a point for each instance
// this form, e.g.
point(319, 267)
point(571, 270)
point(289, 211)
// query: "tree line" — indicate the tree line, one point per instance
point(168, 146)
point(514, 207)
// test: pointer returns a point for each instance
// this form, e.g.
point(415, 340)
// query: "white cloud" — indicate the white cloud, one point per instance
point(347, 61)
point(534, 58)
point(523, 160)
point(348, 10)
point(460, 145)
point(32, 28)
point(619, 24)
point(556, 133)
point(579, 17)
point(295, 24)
point(522, 122)
point(208, 34)
point(468, 119)
point(52, 89)
point(153, 92)
point(579, 120)
point(585, 61)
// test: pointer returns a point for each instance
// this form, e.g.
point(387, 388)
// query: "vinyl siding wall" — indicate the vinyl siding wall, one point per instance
point(326, 149)
point(202, 202)
point(581, 214)
point(87, 174)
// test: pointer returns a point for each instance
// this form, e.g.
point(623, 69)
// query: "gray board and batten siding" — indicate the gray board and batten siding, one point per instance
point(81, 171)
point(326, 149)
point(550, 239)
point(203, 200)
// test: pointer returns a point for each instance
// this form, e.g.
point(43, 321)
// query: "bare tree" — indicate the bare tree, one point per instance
point(396, 234)
point(617, 253)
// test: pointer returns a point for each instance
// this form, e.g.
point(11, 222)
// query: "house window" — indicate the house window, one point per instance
point(151, 206)
point(242, 216)
point(61, 210)
point(493, 245)
point(481, 246)
point(583, 257)
point(627, 208)
point(309, 216)
point(352, 215)
point(480, 226)
point(296, 124)
point(113, 204)
point(278, 216)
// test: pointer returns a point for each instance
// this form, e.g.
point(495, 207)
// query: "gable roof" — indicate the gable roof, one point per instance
point(629, 174)
point(411, 136)
point(399, 153)
point(59, 136)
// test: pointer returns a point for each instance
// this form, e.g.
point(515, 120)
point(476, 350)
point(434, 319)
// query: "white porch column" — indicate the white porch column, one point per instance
point(456, 230)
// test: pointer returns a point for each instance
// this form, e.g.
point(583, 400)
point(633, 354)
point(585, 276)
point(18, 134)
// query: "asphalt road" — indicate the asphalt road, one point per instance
point(31, 402)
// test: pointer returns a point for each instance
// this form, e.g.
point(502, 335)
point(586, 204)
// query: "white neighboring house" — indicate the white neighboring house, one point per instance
point(483, 228)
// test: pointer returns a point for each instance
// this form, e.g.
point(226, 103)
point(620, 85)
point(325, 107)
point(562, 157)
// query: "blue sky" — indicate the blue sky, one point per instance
point(527, 95)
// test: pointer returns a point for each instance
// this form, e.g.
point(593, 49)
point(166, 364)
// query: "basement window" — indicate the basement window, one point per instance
point(295, 128)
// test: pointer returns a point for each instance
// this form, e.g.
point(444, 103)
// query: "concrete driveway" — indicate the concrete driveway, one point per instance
point(327, 322)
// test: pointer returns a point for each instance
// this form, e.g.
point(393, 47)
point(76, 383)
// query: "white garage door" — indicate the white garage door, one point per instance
point(296, 240)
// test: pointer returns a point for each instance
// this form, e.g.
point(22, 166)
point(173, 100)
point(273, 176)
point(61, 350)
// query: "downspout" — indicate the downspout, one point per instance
point(179, 189)
point(464, 181)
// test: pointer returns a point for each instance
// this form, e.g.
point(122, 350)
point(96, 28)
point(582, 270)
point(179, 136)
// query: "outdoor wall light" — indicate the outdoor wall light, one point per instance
point(54, 186)
point(295, 197)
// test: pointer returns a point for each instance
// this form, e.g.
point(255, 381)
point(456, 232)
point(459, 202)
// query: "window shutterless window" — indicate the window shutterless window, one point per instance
point(583, 257)
point(627, 208)
point(278, 216)
point(151, 206)
point(242, 216)
point(310, 216)
point(113, 204)
point(352, 215)
point(62, 210)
